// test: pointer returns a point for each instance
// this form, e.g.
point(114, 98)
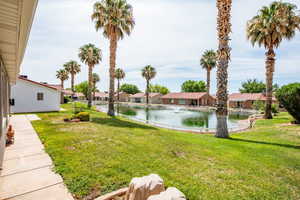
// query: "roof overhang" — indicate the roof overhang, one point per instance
point(16, 18)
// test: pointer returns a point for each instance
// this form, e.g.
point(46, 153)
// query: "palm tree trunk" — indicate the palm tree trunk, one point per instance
point(208, 81)
point(90, 86)
point(224, 29)
point(72, 86)
point(270, 63)
point(118, 90)
point(147, 92)
point(62, 92)
point(94, 91)
point(112, 63)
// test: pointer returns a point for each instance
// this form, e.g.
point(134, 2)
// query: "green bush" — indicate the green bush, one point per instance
point(259, 105)
point(289, 97)
point(83, 116)
point(275, 108)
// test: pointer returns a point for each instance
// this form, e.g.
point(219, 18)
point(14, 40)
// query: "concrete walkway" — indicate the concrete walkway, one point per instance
point(27, 170)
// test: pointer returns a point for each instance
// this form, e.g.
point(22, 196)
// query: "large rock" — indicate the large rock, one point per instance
point(144, 187)
point(170, 194)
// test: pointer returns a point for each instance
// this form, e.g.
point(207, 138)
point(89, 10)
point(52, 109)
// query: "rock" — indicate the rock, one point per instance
point(144, 187)
point(170, 194)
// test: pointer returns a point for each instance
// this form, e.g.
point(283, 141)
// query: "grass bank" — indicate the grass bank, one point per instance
point(104, 154)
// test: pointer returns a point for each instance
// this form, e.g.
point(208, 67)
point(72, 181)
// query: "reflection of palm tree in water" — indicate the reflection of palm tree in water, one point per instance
point(200, 121)
point(147, 114)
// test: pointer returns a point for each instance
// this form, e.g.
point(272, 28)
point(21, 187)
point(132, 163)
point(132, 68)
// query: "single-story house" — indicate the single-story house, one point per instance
point(246, 100)
point(101, 96)
point(189, 99)
point(31, 96)
point(154, 98)
point(123, 97)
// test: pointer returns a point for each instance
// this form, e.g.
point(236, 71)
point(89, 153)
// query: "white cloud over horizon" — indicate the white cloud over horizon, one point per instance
point(169, 34)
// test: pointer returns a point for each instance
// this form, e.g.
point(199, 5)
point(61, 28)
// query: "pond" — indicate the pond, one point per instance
point(175, 117)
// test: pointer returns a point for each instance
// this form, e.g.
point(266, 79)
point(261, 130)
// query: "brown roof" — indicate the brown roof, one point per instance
point(248, 97)
point(57, 86)
point(141, 95)
point(101, 94)
point(68, 92)
point(37, 83)
point(184, 95)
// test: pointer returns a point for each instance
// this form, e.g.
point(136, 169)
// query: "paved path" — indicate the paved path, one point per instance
point(27, 170)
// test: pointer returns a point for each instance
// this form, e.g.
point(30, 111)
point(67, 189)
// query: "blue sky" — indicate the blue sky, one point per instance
point(170, 35)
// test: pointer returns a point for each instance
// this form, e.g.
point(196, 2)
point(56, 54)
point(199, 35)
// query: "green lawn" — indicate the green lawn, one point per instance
point(104, 155)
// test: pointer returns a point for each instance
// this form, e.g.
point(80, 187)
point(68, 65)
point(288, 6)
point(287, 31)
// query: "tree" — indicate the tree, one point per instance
point(208, 61)
point(255, 86)
point(83, 88)
point(289, 97)
point(73, 68)
point(91, 56)
point(119, 74)
point(96, 79)
point(273, 24)
point(224, 29)
point(193, 86)
point(148, 72)
point(159, 89)
point(115, 17)
point(62, 75)
point(129, 88)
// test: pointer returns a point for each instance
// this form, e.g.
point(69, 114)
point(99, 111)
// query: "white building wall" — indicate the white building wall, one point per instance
point(24, 94)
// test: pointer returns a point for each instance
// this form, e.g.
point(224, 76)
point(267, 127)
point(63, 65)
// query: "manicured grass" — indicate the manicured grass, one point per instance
point(104, 155)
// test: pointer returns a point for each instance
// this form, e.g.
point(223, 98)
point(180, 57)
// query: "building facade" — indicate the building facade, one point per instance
point(246, 100)
point(154, 98)
point(189, 99)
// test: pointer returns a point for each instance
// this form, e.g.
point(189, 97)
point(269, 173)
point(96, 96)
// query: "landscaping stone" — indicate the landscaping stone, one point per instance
point(144, 187)
point(170, 194)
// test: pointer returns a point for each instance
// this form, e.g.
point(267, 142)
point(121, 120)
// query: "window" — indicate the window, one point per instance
point(40, 96)
point(12, 102)
point(181, 101)
point(171, 100)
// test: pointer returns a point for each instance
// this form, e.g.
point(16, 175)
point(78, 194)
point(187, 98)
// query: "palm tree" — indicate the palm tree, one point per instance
point(272, 24)
point(120, 74)
point(73, 68)
point(91, 56)
point(96, 79)
point(148, 73)
point(62, 75)
point(224, 29)
point(208, 61)
point(115, 17)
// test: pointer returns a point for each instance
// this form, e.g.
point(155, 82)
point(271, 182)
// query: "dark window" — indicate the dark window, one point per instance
point(40, 96)
point(12, 102)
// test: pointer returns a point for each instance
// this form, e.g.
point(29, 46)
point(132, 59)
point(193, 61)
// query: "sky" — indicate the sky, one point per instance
point(170, 35)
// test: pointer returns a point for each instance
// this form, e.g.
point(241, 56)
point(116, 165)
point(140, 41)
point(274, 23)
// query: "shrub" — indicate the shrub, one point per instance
point(289, 97)
point(275, 108)
point(259, 105)
point(83, 116)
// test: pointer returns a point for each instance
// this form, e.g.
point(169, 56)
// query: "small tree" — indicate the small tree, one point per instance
point(83, 88)
point(129, 88)
point(193, 86)
point(159, 89)
point(119, 74)
point(289, 97)
point(62, 75)
point(148, 73)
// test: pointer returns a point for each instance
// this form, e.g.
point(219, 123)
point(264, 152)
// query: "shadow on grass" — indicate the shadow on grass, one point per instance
point(267, 143)
point(115, 122)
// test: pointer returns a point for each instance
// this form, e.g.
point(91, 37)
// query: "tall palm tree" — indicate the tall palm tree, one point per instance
point(115, 17)
point(208, 61)
point(73, 68)
point(119, 74)
point(91, 56)
point(62, 75)
point(96, 79)
point(148, 73)
point(224, 29)
point(273, 23)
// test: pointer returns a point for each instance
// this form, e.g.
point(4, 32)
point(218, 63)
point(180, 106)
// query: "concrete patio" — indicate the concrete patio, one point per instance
point(27, 169)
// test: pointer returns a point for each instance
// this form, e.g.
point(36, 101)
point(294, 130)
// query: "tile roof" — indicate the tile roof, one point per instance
point(37, 83)
point(248, 97)
point(185, 95)
point(141, 95)
point(101, 94)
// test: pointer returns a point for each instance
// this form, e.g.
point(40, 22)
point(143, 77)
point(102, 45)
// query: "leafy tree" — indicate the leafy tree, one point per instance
point(62, 75)
point(159, 89)
point(208, 61)
point(90, 55)
point(255, 86)
point(289, 97)
point(193, 86)
point(148, 73)
point(224, 29)
point(96, 79)
point(115, 17)
point(73, 68)
point(269, 28)
point(119, 74)
point(129, 88)
point(83, 88)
